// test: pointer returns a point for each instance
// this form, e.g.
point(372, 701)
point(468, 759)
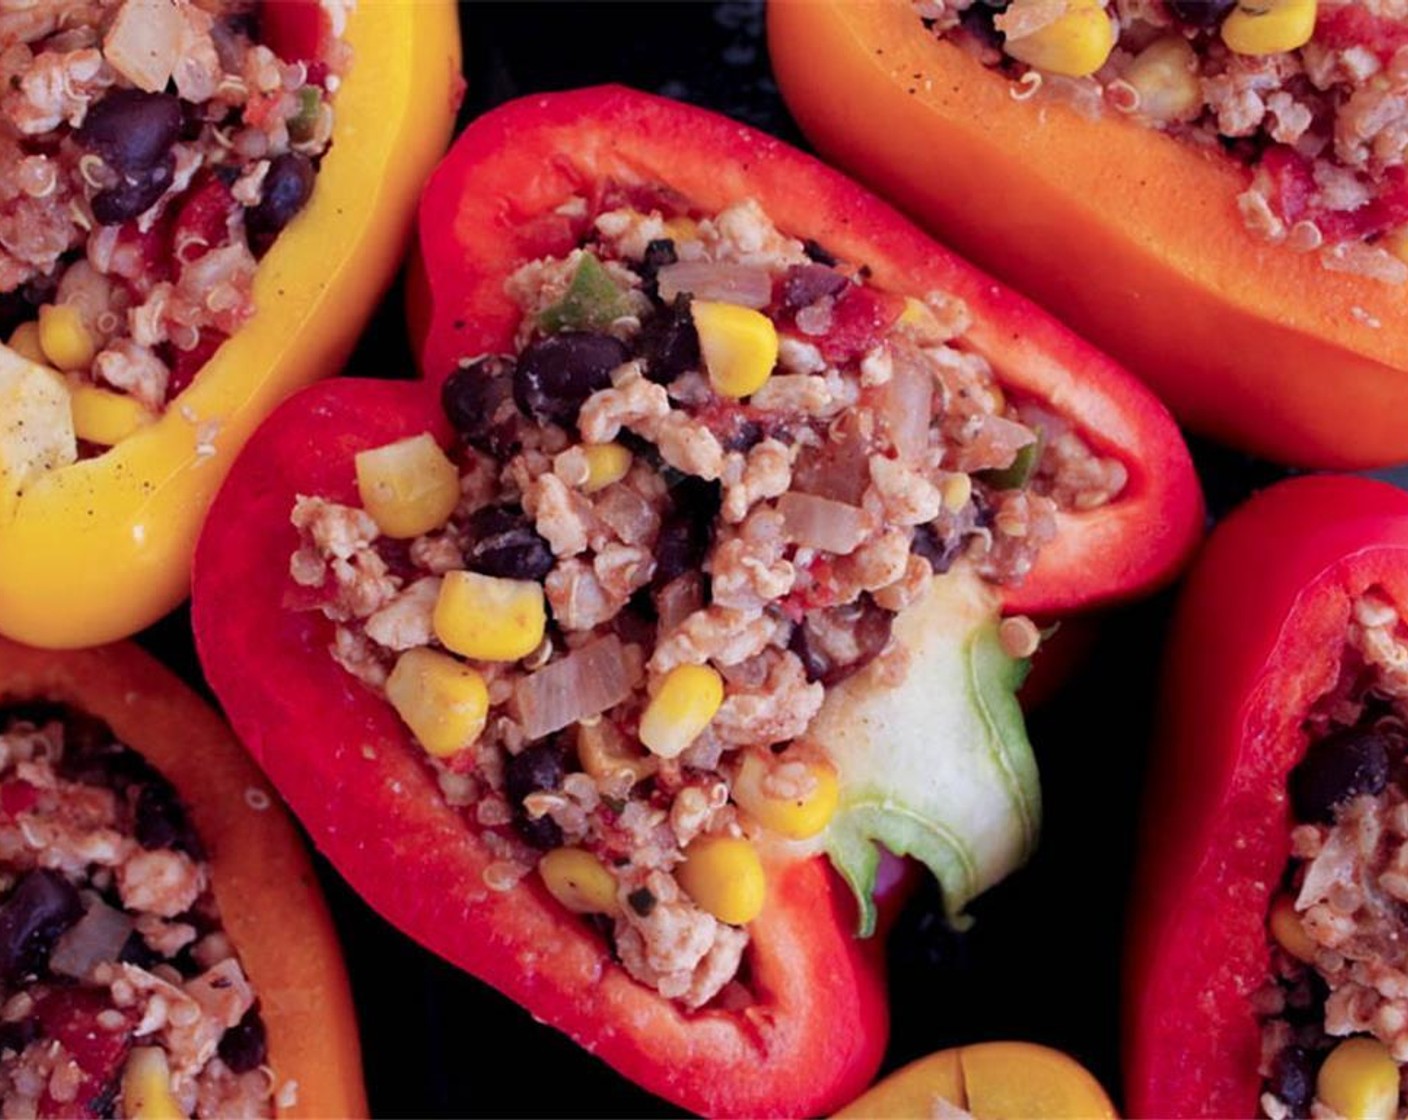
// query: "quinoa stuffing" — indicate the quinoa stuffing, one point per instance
point(691, 503)
point(1335, 1014)
point(1312, 97)
point(117, 983)
point(149, 154)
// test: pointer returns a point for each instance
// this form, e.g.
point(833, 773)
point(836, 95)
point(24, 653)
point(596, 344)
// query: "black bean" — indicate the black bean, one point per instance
point(135, 193)
point(804, 284)
point(1201, 13)
point(1340, 766)
point(978, 22)
point(537, 767)
point(686, 530)
point(669, 342)
point(162, 822)
point(939, 550)
point(503, 542)
point(556, 375)
point(658, 254)
point(245, 1046)
point(16, 1036)
point(475, 399)
point(287, 186)
point(838, 642)
point(132, 131)
point(1292, 1079)
point(39, 909)
point(818, 253)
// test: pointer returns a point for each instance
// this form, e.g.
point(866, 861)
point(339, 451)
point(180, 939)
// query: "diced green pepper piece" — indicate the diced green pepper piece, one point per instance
point(1017, 473)
point(303, 122)
point(592, 302)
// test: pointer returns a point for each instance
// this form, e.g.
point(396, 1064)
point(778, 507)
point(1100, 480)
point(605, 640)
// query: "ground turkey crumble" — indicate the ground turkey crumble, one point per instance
point(1347, 882)
point(1322, 128)
point(110, 940)
point(770, 536)
point(149, 153)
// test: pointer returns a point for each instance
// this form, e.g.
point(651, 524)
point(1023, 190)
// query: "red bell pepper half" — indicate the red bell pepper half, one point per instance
point(815, 1033)
point(1257, 639)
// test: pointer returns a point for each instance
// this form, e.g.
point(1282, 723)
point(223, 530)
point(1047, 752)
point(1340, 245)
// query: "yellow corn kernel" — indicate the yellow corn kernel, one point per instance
point(724, 876)
point(1396, 242)
point(606, 463)
point(64, 337)
point(793, 794)
point(579, 881)
point(738, 345)
point(442, 701)
point(1289, 931)
point(1359, 1080)
point(104, 417)
point(1165, 76)
point(25, 342)
point(682, 229)
point(146, 1086)
point(606, 755)
point(956, 490)
point(686, 702)
point(408, 487)
point(490, 619)
point(1074, 44)
point(1269, 26)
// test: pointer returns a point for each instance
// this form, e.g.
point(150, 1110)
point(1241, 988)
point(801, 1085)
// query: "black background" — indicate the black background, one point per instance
point(1042, 960)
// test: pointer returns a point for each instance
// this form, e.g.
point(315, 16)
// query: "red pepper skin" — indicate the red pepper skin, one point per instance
point(1256, 639)
point(491, 205)
point(343, 760)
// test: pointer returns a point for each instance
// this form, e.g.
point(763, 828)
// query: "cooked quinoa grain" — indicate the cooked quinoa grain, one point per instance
point(723, 467)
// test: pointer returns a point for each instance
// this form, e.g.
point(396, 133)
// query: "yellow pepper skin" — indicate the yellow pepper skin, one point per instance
point(991, 1081)
point(97, 550)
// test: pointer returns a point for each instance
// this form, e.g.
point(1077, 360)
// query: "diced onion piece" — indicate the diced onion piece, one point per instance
point(823, 524)
point(995, 445)
point(741, 284)
point(144, 43)
point(585, 683)
point(905, 403)
point(98, 936)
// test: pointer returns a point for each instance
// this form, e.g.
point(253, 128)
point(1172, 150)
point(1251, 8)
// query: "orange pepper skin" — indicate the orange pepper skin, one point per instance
point(261, 876)
point(97, 550)
point(991, 1081)
point(1257, 639)
point(1130, 237)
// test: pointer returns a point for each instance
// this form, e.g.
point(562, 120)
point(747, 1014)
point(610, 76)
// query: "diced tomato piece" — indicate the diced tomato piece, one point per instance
point(1352, 25)
point(860, 317)
point(185, 364)
point(143, 258)
point(70, 1015)
point(1292, 183)
point(17, 796)
point(203, 222)
point(295, 30)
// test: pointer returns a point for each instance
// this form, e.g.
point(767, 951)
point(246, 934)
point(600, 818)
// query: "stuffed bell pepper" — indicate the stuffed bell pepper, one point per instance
point(199, 206)
point(1268, 960)
point(1214, 191)
point(164, 950)
point(709, 543)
